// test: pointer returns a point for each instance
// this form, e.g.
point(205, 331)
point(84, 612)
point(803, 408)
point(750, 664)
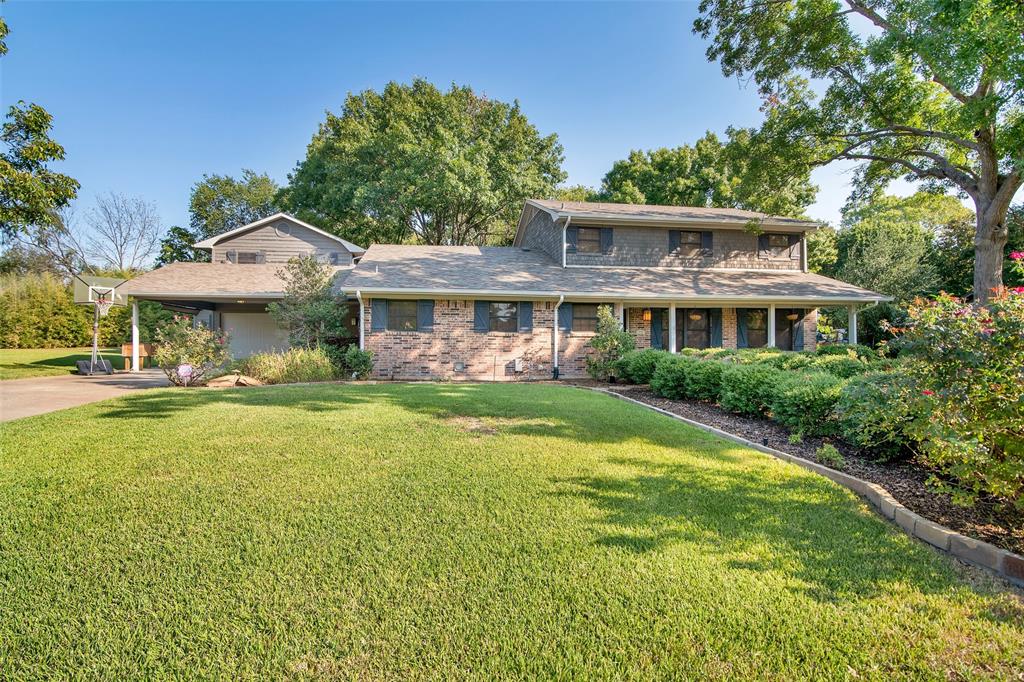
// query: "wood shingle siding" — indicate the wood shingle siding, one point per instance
point(281, 241)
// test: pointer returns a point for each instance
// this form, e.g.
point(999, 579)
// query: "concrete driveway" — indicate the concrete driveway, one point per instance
point(26, 397)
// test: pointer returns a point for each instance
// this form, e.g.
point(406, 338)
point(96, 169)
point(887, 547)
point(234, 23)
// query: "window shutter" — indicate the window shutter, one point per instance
point(741, 329)
point(762, 246)
point(794, 247)
point(232, 256)
point(334, 258)
point(565, 317)
point(261, 257)
point(425, 315)
point(715, 316)
point(673, 241)
point(606, 240)
point(656, 327)
point(571, 237)
point(798, 331)
point(707, 242)
point(481, 316)
point(526, 316)
point(378, 314)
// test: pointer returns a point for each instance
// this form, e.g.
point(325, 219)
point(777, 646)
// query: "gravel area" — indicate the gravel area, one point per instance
point(988, 520)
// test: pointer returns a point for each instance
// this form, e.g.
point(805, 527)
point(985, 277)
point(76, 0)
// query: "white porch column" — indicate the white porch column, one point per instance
point(617, 308)
point(672, 327)
point(851, 324)
point(135, 335)
point(771, 325)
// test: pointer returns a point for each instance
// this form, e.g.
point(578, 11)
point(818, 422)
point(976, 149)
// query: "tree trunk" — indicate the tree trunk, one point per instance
point(989, 242)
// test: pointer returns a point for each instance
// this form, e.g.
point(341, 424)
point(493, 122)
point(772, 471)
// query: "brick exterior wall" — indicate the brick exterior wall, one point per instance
point(454, 351)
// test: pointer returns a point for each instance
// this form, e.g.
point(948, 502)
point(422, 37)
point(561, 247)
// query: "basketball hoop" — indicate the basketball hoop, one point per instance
point(102, 294)
point(104, 302)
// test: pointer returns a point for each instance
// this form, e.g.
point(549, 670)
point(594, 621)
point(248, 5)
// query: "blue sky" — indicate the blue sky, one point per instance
point(149, 96)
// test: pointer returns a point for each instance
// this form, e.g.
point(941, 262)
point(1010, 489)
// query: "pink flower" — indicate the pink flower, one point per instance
point(1017, 255)
point(928, 392)
point(1018, 290)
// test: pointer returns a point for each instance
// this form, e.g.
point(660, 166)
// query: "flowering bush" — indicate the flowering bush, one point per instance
point(968, 371)
point(179, 343)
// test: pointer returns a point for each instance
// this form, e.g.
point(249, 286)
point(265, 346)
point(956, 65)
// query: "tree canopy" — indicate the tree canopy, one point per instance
point(931, 91)
point(413, 162)
point(220, 202)
point(709, 173)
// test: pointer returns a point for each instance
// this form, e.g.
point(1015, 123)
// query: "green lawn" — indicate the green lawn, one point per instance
point(452, 531)
point(22, 363)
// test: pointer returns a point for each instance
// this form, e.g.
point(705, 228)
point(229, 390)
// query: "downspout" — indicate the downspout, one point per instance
point(565, 245)
point(362, 324)
point(554, 337)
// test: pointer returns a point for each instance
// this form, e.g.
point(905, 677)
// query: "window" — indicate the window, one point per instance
point(503, 317)
point(698, 329)
point(588, 240)
point(247, 257)
point(776, 241)
point(757, 328)
point(402, 316)
point(689, 244)
point(584, 317)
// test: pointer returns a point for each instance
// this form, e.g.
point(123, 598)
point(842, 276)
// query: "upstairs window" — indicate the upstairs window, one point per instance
point(588, 240)
point(245, 257)
point(690, 243)
point(779, 246)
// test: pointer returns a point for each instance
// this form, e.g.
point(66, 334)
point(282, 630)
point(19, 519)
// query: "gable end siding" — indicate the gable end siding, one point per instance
point(543, 234)
point(281, 241)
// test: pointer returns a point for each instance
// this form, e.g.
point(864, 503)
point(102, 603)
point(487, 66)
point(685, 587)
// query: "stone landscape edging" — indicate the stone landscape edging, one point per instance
point(1003, 563)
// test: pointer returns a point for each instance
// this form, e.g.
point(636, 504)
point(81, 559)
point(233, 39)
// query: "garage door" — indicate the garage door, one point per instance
point(253, 333)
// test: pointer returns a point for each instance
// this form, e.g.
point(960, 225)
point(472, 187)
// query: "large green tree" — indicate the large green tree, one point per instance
point(925, 89)
point(413, 162)
point(710, 173)
point(221, 202)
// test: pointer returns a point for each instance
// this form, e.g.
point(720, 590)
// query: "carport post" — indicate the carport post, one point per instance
point(672, 327)
point(851, 324)
point(771, 325)
point(135, 335)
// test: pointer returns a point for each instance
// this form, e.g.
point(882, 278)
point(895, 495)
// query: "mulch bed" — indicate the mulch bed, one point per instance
point(987, 520)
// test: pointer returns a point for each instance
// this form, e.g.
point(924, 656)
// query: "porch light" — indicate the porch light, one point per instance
point(792, 317)
point(647, 314)
point(695, 316)
point(240, 301)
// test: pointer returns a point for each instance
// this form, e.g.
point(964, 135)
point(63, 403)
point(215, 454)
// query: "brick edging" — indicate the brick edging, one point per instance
point(1005, 564)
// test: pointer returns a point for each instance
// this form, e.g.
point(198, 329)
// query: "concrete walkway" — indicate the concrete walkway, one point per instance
point(26, 397)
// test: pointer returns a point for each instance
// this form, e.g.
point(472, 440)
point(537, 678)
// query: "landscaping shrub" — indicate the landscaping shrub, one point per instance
point(748, 389)
point(357, 363)
point(854, 349)
point(609, 344)
point(843, 366)
point(968, 368)
point(179, 343)
point(796, 360)
point(876, 411)
point(637, 366)
point(804, 402)
point(295, 365)
point(828, 455)
point(703, 379)
point(38, 311)
point(669, 380)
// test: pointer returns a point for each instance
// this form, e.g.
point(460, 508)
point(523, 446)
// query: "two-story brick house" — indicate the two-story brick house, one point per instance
point(676, 277)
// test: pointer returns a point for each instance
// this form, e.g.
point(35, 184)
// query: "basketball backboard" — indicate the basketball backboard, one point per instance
point(87, 286)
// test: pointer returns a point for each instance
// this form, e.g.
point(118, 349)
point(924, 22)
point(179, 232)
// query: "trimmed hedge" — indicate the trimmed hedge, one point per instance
point(804, 402)
point(875, 412)
point(749, 389)
point(704, 379)
point(669, 380)
point(637, 366)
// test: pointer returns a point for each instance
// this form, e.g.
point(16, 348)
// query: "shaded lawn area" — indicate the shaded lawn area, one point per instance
point(409, 531)
point(23, 363)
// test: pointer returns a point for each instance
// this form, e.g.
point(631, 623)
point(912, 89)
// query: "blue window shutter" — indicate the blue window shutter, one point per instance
point(656, 327)
point(481, 316)
point(606, 239)
point(571, 238)
point(425, 315)
point(565, 317)
point(716, 327)
point(707, 240)
point(762, 245)
point(741, 328)
point(798, 331)
point(378, 314)
point(673, 241)
point(526, 316)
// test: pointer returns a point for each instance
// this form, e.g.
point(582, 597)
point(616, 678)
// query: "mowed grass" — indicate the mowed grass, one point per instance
point(23, 363)
point(454, 531)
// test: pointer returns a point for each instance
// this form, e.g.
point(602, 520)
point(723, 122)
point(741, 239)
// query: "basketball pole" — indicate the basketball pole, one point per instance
point(95, 337)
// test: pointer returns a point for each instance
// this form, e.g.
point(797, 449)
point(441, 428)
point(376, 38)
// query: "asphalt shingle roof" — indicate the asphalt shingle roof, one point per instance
point(510, 270)
point(214, 280)
point(640, 212)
